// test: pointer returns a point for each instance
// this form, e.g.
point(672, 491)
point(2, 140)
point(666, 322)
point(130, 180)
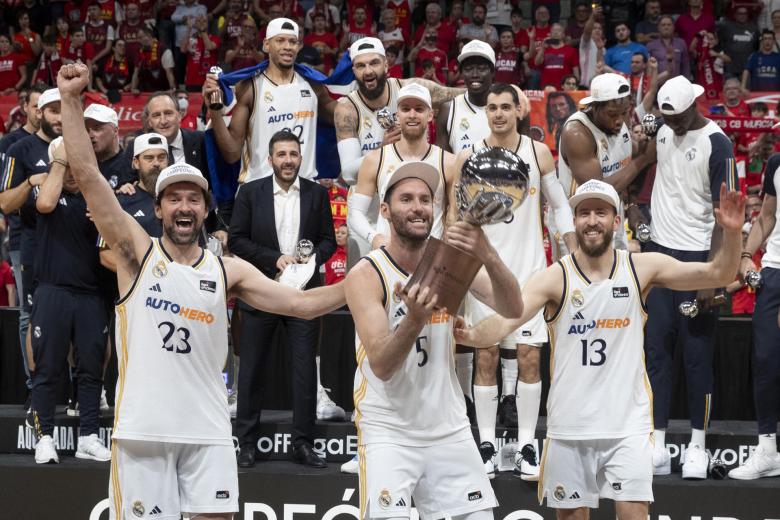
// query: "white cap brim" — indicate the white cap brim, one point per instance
point(698, 90)
point(463, 57)
point(414, 170)
point(576, 199)
point(180, 173)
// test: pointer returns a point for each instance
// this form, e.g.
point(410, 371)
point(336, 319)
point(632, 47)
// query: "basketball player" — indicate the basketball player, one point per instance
point(276, 99)
point(414, 439)
point(520, 244)
point(415, 112)
point(172, 454)
point(462, 122)
point(599, 411)
point(765, 460)
point(596, 144)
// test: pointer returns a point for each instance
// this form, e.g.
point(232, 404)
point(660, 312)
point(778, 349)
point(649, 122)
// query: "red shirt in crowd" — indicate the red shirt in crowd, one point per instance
point(9, 70)
point(557, 64)
point(320, 42)
point(48, 67)
point(687, 27)
point(446, 36)
point(63, 44)
point(97, 34)
point(509, 67)
point(439, 60)
point(743, 301)
point(200, 60)
point(6, 279)
point(107, 10)
point(336, 266)
point(338, 205)
point(115, 74)
point(26, 52)
point(396, 71)
point(131, 34)
point(741, 109)
point(403, 14)
point(189, 122)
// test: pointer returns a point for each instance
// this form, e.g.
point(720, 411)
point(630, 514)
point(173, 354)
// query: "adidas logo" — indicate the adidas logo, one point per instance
point(272, 109)
point(401, 503)
point(399, 313)
point(155, 288)
point(41, 162)
point(139, 213)
point(574, 496)
point(155, 511)
point(465, 137)
point(369, 136)
point(578, 316)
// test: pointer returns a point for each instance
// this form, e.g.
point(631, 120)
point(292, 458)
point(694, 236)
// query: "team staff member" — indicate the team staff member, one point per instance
point(175, 454)
point(269, 218)
point(68, 289)
point(765, 460)
point(414, 438)
point(103, 129)
point(599, 412)
point(694, 158)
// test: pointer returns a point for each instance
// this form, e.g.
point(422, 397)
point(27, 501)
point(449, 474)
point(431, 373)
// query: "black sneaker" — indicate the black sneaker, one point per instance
point(527, 466)
point(507, 411)
point(471, 412)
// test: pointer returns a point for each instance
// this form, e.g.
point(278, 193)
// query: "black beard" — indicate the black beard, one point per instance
point(48, 129)
point(409, 238)
point(381, 81)
point(598, 249)
point(183, 239)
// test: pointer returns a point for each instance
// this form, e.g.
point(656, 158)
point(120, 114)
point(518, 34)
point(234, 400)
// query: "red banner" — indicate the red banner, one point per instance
point(731, 124)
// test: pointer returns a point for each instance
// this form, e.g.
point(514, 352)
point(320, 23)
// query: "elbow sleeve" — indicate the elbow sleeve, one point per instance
point(350, 158)
point(564, 219)
point(357, 216)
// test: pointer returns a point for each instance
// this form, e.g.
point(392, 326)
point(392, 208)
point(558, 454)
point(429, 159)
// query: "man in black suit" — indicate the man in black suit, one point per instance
point(270, 216)
point(161, 115)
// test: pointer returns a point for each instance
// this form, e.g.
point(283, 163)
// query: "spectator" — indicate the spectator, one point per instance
point(26, 41)
point(569, 83)
point(232, 24)
point(775, 28)
point(392, 35)
point(618, 57)
point(762, 71)
point(429, 50)
point(445, 33)
point(358, 26)
point(154, 68)
point(270, 216)
point(323, 40)
point(246, 49)
point(639, 78)
point(13, 73)
point(130, 30)
point(336, 266)
point(98, 32)
point(765, 16)
point(8, 291)
point(110, 12)
point(552, 9)
point(17, 117)
point(188, 121)
point(556, 59)
point(739, 38)
point(403, 13)
point(732, 96)
point(163, 117)
point(519, 30)
point(73, 14)
point(710, 65)
point(200, 48)
point(509, 63)
point(329, 11)
point(670, 52)
point(80, 50)
point(456, 18)
point(49, 63)
point(478, 29)
point(429, 71)
point(38, 11)
point(591, 49)
point(690, 24)
point(394, 67)
point(183, 17)
point(576, 25)
point(116, 71)
point(62, 32)
point(499, 13)
point(647, 28)
point(541, 28)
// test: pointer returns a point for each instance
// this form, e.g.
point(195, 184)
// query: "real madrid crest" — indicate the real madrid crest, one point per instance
point(367, 123)
point(464, 124)
point(604, 144)
point(268, 97)
point(396, 297)
point(138, 508)
point(384, 498)
point(159, 270)
point(559, 493)
point(690, 154)
point(577, 298)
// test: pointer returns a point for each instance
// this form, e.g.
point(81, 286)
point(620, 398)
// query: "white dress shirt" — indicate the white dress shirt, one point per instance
point(177, 148)
point(287, 214)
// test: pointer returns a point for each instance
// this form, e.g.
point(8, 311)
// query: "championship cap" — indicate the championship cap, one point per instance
point(414, 170)
point(52, 145)
point(477, 48)
point(181, 172)
point(595, 189)
point(365, 46)
point(606, 87)
point(48, 96)
point(413, 90)
point(677, 95)
point(147, 142)
point(101, 114)
point(279, 26)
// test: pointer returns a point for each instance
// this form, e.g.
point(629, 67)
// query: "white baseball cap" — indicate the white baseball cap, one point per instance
point(606, 87)
point(101, 114)
point(477, 48)
point(52, 146)
point(148, 142)
point(279, 26)
point(366, 46)
point(413, 90)
point(595, 189)
point(181, 172)
point(48, 96)
point(677, 95)
point(414, 170)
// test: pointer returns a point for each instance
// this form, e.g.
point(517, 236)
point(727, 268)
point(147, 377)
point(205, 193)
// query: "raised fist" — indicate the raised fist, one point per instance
point(73, 78)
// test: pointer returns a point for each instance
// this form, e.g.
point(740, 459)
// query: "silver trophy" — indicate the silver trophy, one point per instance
point(651, 124)
point(753, 279)
point(689, 309)
point(386, 118)
point(643, 232)
point(215, 99)
point(298, 275)
point(304, 250)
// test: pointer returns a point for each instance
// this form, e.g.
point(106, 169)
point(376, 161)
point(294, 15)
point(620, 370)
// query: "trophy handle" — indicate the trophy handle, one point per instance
point(447, 271)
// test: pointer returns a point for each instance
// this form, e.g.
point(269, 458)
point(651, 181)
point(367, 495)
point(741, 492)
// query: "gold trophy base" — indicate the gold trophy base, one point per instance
point(447, 271)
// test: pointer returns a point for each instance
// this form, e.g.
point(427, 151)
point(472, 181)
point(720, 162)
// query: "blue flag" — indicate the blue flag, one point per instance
point(224, 175)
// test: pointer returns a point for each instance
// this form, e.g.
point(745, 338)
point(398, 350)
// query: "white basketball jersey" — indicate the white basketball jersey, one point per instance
point(370, 132)
point(389, 161)
point(171, 332)
point(614, 152)
point(467, 124)
point(599, 387)
point(293, 107)
point(422, 404)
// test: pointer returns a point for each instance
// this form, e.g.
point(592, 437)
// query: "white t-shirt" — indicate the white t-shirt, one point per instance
point(771, 187)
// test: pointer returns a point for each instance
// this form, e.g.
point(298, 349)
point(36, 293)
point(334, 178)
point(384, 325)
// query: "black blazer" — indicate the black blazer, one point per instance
point(194, 151)
point(252, 235)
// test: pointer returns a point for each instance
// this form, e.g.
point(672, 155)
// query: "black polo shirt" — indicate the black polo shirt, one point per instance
point(13, 220)
point(140, 205)
point(117, 170)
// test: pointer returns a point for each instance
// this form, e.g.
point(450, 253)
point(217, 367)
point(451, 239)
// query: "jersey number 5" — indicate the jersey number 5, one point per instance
point(593, 354)
point(182, 346)
point(419, 345)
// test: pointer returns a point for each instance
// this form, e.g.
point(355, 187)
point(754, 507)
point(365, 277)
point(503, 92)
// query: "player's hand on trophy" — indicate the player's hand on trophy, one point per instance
point(283, 261)
point(471, 239)
point(392, 135)
point(73, 78)
point(210, 86)
point(731, 212)
point(420, 301)
point(747, 265)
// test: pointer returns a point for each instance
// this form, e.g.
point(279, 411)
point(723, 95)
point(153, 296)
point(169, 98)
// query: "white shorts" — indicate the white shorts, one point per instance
point(577, 473)
point(533, 332)
point(444, 480)
point(161, 480)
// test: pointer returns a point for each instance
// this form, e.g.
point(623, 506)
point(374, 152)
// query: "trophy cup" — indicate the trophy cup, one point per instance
point(493, 182)
point(753, 279)
point(215, 99)
point(690, 309)
point(386, 118)
point(643, 232)
point(651, 124)
point(298, 275)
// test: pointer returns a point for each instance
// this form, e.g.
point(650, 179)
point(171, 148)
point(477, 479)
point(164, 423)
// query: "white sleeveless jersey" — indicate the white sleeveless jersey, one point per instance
point(389, 161)
point(370, 132)
point(614, 152)
point(599, 387)
point(422, 404)
point(293, 107)
point(467, 124)
point(171, 332)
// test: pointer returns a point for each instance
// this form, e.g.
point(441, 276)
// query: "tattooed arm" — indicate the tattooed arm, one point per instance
point(345, 119)
point(439, 93)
